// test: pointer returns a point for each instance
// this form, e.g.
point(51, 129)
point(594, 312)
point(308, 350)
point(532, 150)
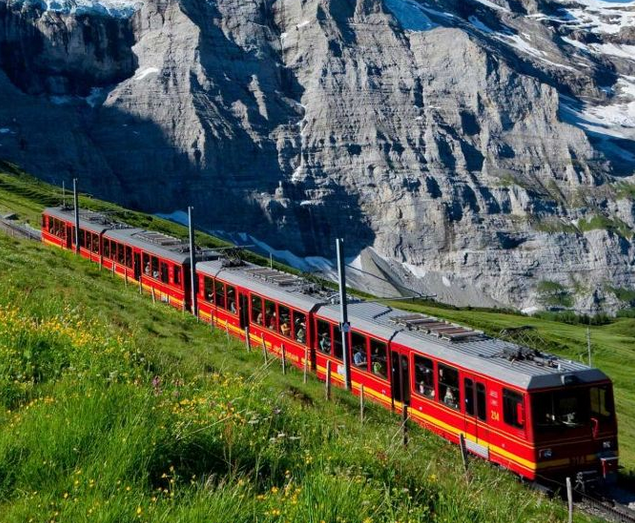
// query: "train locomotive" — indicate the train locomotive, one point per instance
point(535, 414)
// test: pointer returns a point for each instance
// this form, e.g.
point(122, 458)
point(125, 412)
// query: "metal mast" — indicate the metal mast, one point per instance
point(344, 325)
point(192, 261)
point(76, 211)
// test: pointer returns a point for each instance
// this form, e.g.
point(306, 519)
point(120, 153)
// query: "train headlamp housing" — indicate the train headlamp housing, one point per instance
point(546, 453)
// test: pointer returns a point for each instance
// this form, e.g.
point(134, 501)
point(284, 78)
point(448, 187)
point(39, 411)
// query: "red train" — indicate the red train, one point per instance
point(535, 414)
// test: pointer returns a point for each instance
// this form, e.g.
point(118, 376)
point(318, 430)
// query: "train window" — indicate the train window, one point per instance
point(299, 326)
point(106, 249)
point(561, 409)
point(285, 320)
point(154, 265)
point(89, 238)
point(449, 386)
point(95, 243)
point(231, 299)
point(324, 336)
point(129, 261)
point(208, 289)
point(468, 388)
point(513, 412)
point(177, 275)
point(601, 403)
point(146, 264)
point(360, 350)
point(82, 242)
point(219, 288)
point(424, 376)
point(481, 410)
point(378, 358)
point(165, 273)
point(121, 255)
point(271, 318)
point(338, 350)
point(256, 309)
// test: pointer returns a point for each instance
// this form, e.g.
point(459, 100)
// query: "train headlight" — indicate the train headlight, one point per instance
point(607, 445)
point(546, 453)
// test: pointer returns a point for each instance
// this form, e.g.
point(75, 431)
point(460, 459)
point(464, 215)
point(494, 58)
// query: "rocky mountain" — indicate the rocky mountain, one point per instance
point(480, 150)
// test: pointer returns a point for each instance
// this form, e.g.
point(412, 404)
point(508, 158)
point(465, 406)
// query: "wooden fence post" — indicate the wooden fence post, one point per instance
point(306, 363)
point(361, 403)
point(112, 268)
point(125, 276)
point(284, 359)
point(463, 447)
point(570, 499)
point(141, 285)
point(404, 425)
point(154, 296)
point(328, 380)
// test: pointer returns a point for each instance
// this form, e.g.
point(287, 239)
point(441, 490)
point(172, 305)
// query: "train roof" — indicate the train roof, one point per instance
point(498, 359)
point(159, 244)
point(277, 285)
point(88, 220)
point(510, 363)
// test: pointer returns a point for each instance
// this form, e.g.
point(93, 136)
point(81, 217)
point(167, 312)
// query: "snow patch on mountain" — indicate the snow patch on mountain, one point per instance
point(410, 15)
point(113, 8)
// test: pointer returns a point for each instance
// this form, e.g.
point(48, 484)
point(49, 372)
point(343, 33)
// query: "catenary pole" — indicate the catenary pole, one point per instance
point(588, 346)
point(192, 261)
point(344, 325)
point(76, 212)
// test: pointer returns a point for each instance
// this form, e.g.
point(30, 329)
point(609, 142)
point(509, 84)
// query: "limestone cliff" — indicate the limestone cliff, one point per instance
point(480, 151)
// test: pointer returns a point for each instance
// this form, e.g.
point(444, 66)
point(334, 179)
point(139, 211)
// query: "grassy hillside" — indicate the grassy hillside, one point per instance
point(114, 409)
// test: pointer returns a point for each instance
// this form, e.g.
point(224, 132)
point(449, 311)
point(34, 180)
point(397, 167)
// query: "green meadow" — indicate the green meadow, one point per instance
point(115, 409)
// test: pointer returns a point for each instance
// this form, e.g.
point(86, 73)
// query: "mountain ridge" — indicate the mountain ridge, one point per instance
point(469, 143)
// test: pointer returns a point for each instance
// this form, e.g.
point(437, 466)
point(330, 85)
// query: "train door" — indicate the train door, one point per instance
point(69, 237)
point(244, 310)
point(400, 377)
point(475, 394)
point(137, 266)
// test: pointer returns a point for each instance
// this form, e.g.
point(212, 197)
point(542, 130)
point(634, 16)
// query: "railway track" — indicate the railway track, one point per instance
point(608, 509)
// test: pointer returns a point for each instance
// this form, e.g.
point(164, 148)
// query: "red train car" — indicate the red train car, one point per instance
point(58, 229)
point(158, 263)
point(271, 307)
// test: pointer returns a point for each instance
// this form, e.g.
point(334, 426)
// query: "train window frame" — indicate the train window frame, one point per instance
point(107, 249)
point(154, 267)
point(208, 289)
point(285, 318)
point(230, 299)
point(219, 294)
point(299, 326)
point(607, 403)
point(426, 390)
point(128, 256)
point(324, 336)
point(469, 394)
point(363, 365)
point(271, 315)
point(96, 243)
point(449, 393)
point(255, 313)
point(338, 345)
point(121, 254)
point(481, 401)
point(145, 261)
point(82, 240)
point(164, 272)
point(177, 275)
point(511, 401)
point(381, 369)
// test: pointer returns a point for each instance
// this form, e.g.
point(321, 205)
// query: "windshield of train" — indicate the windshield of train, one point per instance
point(573, 408)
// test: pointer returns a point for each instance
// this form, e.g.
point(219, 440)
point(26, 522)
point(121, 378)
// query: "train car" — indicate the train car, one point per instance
point(271, 307)
point(158, 263)
point(535, 414)
point(58, 229)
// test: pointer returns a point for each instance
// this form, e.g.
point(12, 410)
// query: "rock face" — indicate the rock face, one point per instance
point(479, 151)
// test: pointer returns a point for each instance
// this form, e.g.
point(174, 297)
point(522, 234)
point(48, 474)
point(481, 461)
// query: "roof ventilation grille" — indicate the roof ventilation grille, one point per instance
point(437, 327)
